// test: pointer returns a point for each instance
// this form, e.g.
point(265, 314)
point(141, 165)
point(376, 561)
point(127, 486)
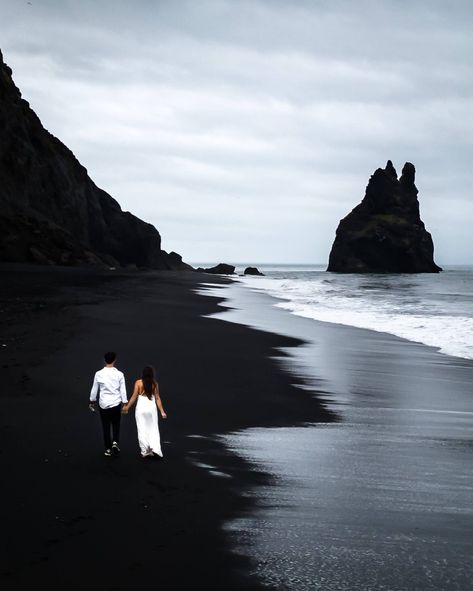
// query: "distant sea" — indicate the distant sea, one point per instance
point(434, 309)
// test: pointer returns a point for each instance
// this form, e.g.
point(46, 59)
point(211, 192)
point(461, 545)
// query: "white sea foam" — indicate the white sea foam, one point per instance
point(436, 310)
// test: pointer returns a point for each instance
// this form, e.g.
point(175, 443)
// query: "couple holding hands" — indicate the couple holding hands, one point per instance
point(110, 389)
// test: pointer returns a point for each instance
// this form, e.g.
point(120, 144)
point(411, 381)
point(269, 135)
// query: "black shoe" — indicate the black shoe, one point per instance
point(108, 453)
point(115, 448)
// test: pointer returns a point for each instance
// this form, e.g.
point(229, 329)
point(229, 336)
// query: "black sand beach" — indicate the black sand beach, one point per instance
point(72, 518)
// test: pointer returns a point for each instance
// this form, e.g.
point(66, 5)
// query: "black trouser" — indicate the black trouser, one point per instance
point(111, 418)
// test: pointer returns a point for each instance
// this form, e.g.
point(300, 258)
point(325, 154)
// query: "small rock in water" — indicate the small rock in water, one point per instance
point(252, 271)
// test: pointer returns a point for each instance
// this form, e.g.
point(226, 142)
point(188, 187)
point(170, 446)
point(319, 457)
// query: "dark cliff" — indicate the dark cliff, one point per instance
point(384, 233)
point(51, 211)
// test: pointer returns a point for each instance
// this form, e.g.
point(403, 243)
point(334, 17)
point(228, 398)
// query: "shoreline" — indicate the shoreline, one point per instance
point(69, 517)
point(413, 324)
point(386, 493)
point(272, 301)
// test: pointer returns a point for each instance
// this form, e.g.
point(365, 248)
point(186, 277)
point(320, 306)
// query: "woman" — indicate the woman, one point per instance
point(146, 394)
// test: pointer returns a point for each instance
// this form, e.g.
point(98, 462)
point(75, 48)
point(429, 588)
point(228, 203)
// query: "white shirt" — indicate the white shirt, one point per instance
point(109, 385)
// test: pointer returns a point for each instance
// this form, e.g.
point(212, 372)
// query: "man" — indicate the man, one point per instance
point(109, 386)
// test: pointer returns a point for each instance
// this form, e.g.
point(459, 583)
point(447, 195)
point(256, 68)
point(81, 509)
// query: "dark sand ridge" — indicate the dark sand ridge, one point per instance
point(72, 518)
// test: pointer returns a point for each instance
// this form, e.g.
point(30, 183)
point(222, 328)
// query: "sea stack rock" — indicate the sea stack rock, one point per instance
point(384, 233)
point(220, 269)
point(51, 212)
point(252, 271)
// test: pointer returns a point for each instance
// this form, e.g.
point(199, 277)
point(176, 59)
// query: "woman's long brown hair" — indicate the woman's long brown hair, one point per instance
point(149, 381)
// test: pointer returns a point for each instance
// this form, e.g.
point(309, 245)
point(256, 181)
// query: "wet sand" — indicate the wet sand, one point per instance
point(72, 518)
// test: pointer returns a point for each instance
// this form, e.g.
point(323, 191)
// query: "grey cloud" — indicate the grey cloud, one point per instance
point(223, 119)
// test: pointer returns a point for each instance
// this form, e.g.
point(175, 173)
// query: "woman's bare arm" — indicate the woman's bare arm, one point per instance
point(159, 403)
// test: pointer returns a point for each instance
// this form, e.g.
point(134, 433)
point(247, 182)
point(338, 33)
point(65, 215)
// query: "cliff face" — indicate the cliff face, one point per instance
point(51, 211)
point(384, 233)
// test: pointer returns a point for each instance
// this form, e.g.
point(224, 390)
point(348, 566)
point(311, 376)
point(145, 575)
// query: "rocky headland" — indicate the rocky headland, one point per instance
point(51, 212)
point(384, 233)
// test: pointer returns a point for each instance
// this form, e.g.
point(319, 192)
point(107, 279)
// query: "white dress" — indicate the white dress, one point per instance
point(146, 416)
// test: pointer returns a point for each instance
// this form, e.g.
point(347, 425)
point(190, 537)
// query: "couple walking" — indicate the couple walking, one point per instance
point(110, 389)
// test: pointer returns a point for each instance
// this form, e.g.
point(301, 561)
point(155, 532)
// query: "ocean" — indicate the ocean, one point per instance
point(381, 498)
point(434, 309)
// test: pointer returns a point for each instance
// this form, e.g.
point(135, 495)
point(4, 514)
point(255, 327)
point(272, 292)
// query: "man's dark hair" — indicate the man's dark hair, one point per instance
point(110, 357)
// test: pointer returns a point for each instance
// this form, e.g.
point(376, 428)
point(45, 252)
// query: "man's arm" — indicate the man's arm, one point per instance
point(123, 389)
point(95, 389)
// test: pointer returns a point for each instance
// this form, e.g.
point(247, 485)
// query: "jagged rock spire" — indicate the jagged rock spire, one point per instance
point(384, 233)
point(408, 175)
point(390, 169)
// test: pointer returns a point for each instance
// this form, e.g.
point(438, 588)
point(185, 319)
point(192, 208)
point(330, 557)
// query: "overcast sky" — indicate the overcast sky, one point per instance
point(245, 130)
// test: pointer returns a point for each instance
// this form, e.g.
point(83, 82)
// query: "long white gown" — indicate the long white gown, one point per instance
point(146, 416)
